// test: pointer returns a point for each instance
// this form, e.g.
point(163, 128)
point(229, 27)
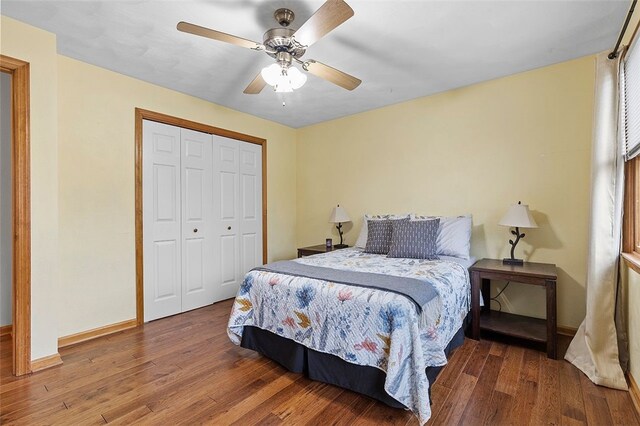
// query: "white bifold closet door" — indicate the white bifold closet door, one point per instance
point(198, 259)
point(162, 223)
point(238, 188)
point(202, 217)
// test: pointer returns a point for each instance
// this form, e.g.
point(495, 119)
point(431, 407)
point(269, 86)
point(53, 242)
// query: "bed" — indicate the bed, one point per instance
point(373, 340)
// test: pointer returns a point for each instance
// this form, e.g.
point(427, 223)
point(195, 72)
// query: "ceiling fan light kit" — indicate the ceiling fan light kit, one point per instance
point(282, 79)
point(286, 45)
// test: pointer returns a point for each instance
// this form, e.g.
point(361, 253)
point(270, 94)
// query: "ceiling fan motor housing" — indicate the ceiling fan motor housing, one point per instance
point(280, 40)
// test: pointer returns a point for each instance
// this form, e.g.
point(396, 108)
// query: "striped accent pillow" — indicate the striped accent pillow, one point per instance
point(416, 239)
point(379, 235)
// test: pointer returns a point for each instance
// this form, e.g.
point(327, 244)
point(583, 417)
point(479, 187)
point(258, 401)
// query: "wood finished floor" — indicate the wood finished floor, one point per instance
point(185, 370)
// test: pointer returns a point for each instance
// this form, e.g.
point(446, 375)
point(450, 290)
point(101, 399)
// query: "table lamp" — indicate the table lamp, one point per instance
point(518, 216)
point(339, 215)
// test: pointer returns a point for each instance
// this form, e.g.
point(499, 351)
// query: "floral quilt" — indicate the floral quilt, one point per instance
point(361, 325)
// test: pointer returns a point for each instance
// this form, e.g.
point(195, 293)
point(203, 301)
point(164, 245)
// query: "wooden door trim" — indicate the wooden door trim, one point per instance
point(21, 207)
point(142, 114)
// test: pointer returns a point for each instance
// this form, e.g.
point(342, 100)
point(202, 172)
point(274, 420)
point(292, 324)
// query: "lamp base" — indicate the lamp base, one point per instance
point(338, 246)
point(509, 261)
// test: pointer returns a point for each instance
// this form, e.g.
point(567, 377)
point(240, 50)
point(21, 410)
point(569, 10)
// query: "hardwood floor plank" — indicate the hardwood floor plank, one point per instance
point(134, 416)
point(263, 411)
point(179, 407)
point(500, 409)
point(439, 395)
point(510, 371)
point(304, 407)
point(527, 392)
point(381, 414)
point(344, 410)
point(476, 363)
point(476, 410)
point(597, 410)
point(571, 395)
point(497, 349)
point(456, 364)
point(245, 405)
point(547, 409)
point(162, 395)
point(453, 409)
point(223, 401)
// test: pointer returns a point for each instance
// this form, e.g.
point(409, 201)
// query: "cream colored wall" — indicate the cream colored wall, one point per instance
point(96, 138)
point(39, 49)
point(473, 150)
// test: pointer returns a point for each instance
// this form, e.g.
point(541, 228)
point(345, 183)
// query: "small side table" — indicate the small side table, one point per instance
point(527, 328)
point(308, 251)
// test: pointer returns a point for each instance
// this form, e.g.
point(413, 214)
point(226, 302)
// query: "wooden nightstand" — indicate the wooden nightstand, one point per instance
point(533, 329)
point(308, 251)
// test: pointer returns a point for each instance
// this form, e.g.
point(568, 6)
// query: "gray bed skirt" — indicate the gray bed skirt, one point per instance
point(329, 368)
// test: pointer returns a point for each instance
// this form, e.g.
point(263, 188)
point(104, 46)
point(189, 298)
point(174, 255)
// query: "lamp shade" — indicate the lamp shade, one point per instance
point(518, 216)
point(339, 215)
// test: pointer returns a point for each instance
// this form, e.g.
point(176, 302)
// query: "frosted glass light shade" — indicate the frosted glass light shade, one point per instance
point(296, 77)
point(283, 80)
point(518, 216)
point(339, 215)
point(271, 74)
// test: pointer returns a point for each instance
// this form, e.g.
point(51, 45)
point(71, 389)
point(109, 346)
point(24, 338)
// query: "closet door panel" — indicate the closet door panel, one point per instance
point(197, 227)
point(251, 205)
point(162, 219)
point(226, 214)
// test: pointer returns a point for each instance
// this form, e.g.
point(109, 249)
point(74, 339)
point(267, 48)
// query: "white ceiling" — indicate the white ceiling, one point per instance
point(401, 50)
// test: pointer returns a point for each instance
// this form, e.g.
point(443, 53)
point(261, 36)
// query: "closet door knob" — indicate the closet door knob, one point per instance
point(228, 228)
point(195, 230)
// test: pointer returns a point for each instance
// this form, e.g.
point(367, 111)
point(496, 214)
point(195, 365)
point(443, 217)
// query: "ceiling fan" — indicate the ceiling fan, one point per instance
point(287, 46)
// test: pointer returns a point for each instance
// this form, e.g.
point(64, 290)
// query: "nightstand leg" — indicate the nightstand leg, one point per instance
point(475, 305)
point(552, 332)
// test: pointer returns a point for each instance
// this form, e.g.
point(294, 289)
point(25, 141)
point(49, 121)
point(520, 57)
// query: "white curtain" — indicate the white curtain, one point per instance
point(594, 349)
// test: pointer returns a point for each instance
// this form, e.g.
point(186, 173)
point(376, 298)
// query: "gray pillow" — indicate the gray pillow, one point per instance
point(379, 235)
point(415, 239)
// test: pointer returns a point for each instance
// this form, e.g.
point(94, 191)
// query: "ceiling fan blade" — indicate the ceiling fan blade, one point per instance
point(324, 20)
point(256, 85)
point(332, 75)
point(186, 27)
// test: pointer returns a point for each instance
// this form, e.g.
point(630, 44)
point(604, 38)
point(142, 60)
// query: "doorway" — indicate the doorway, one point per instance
point(6, 214)
point(18, 71)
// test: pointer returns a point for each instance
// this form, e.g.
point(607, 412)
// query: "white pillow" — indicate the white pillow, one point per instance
point(454, 235)
point(364, 230)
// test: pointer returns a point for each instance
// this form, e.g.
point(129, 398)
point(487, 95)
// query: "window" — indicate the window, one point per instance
point(630, 111)
point(630, 107)
point(631, 224)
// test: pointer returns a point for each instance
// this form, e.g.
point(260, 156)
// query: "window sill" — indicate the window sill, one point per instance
point(632, 260)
